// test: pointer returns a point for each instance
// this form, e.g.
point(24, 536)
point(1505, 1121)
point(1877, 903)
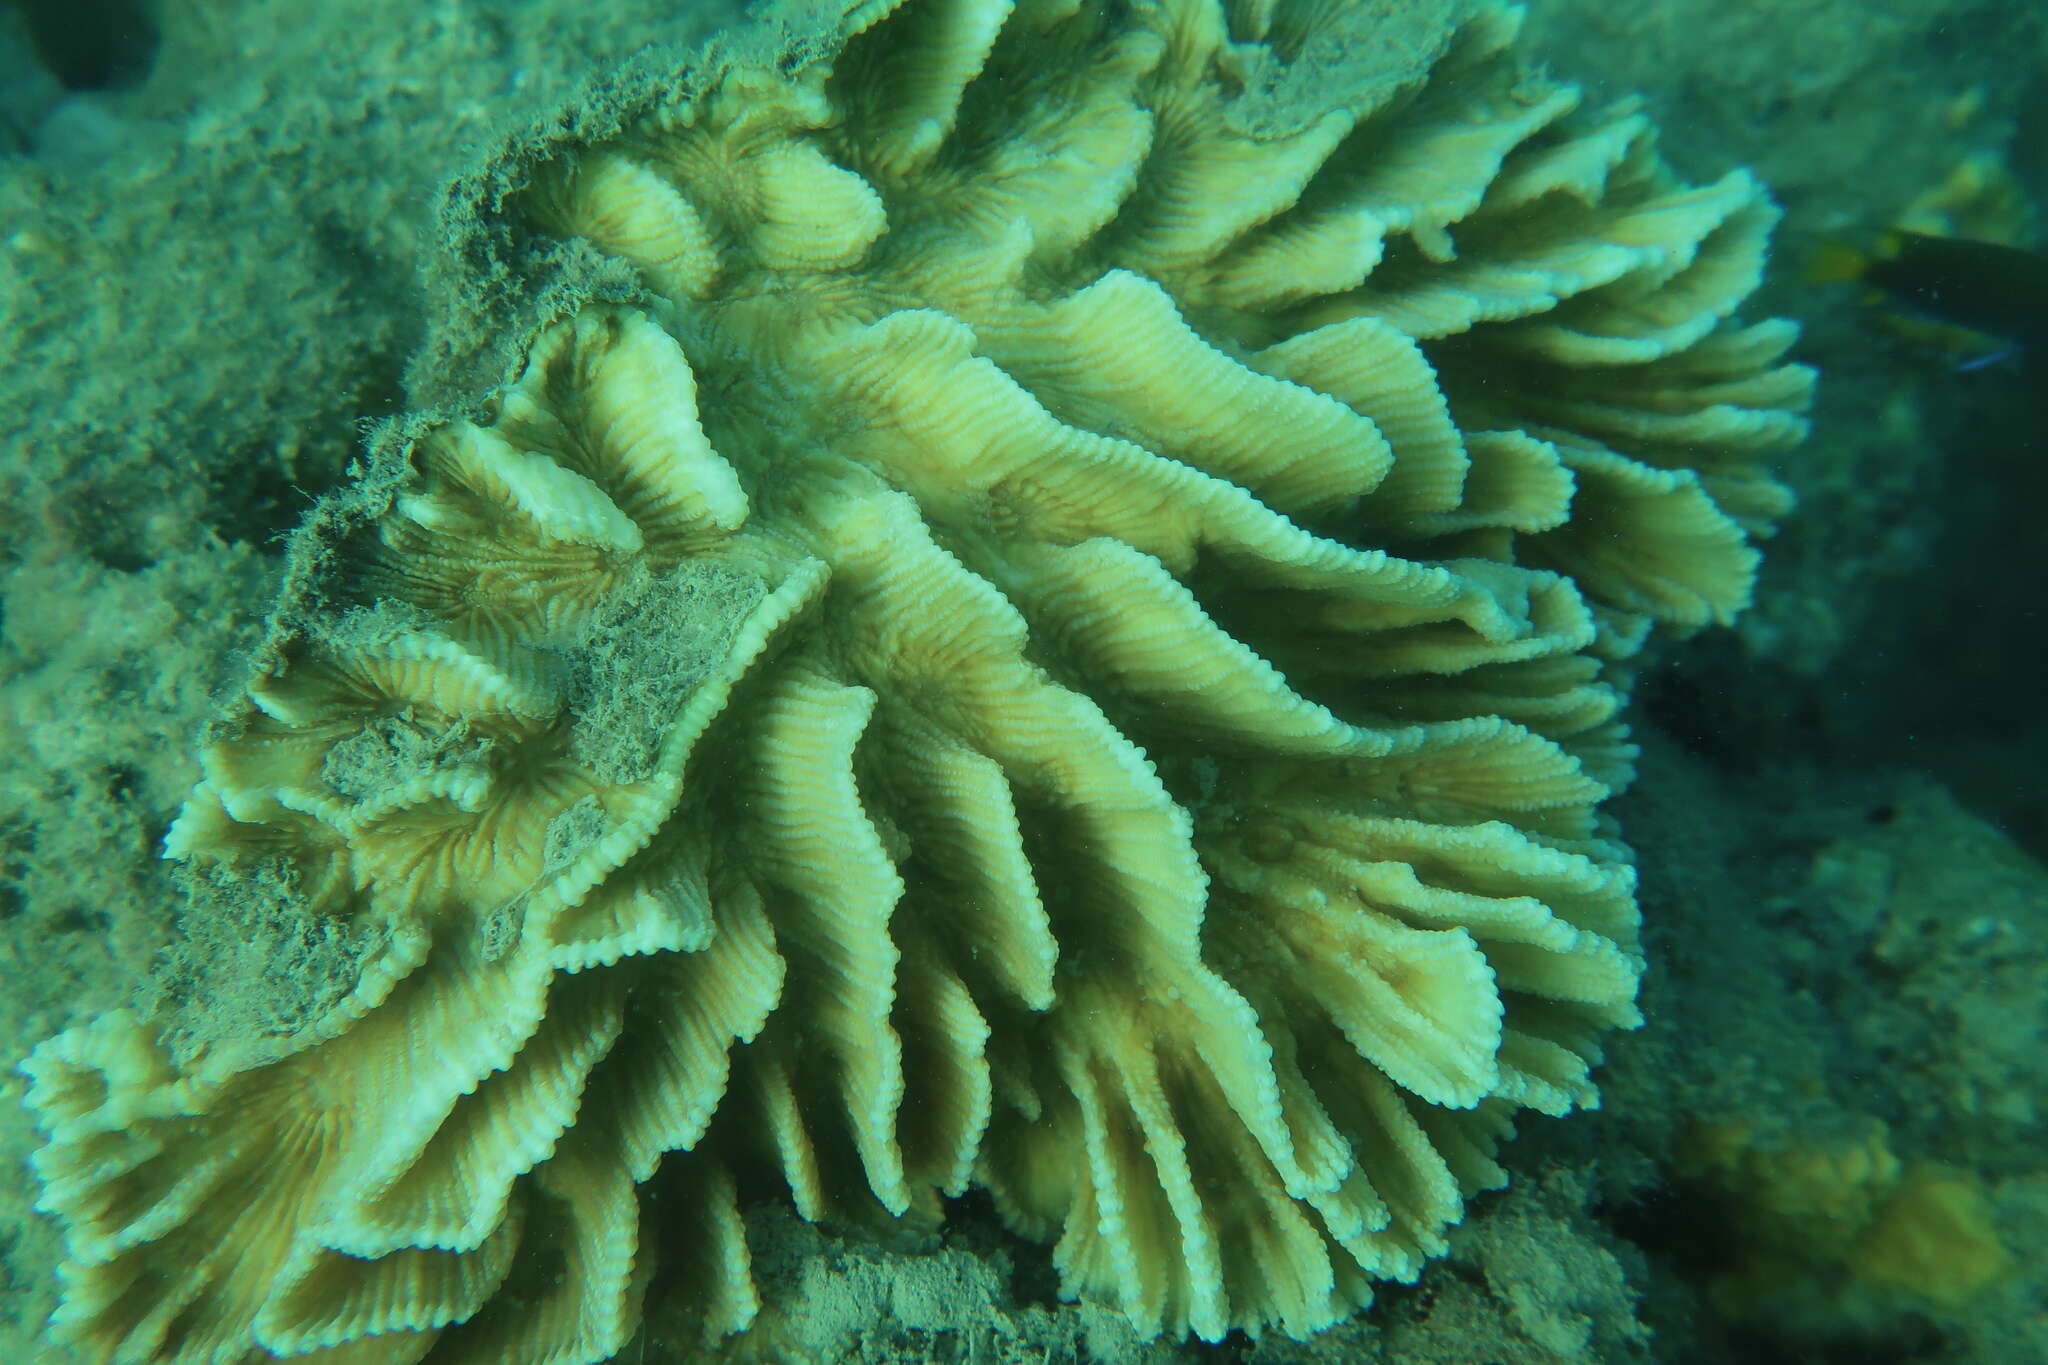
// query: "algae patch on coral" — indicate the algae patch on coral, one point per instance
point(1067, 638)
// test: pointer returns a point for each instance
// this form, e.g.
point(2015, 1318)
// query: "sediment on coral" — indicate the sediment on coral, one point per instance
point(1066, 644)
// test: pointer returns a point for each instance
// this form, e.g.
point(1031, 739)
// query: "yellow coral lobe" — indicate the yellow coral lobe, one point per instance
point(1066, 642)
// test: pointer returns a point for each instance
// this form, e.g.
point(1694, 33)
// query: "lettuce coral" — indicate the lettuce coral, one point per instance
point(1068, 641)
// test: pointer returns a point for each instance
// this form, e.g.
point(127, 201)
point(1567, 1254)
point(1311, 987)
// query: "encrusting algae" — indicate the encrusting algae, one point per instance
point(1067, 641)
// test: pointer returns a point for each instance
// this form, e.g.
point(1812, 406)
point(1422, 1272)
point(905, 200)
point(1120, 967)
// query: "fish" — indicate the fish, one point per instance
point(1985, 288)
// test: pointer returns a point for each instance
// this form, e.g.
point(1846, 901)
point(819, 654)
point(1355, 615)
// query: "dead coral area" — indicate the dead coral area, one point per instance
point(1533, 1278)
point(107, 674)
point(210, 266)
point(1839, 1154)
point(972, 1297)
point(205, 285)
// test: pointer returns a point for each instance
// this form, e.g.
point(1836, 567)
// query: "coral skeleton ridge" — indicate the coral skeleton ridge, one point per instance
point(1064, 645)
